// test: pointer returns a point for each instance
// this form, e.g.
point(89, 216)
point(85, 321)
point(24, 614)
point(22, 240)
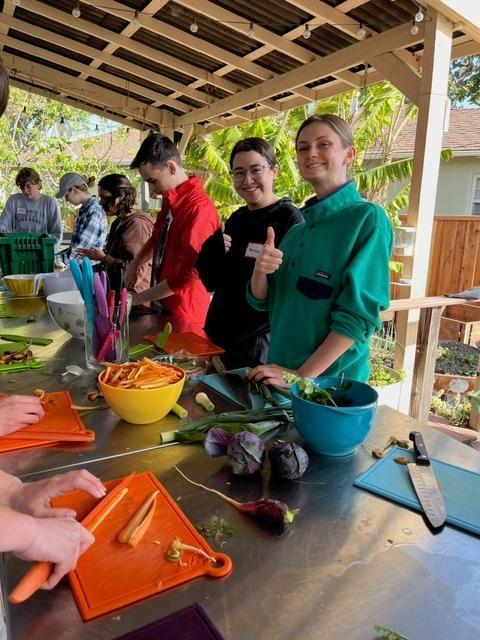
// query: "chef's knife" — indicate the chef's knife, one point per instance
point(40, 572)
point(235, 384)
point(425, 483)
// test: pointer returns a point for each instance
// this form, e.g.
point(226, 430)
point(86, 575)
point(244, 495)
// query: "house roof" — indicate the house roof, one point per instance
point(143, 63)
point(462, 137)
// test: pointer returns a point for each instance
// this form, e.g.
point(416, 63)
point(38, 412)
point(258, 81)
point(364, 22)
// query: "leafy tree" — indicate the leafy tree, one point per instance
point(29, 136)
point(464, 83)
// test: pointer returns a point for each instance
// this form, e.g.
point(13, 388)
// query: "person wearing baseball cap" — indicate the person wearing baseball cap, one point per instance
point(90, 229)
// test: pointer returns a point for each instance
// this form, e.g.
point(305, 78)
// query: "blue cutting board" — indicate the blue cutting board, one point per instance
point(460, 488)
point(216, 382)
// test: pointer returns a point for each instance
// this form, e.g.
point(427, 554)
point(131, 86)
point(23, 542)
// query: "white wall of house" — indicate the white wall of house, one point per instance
point(456, 187)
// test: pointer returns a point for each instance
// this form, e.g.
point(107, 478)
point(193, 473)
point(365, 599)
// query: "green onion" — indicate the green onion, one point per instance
point(258, 421)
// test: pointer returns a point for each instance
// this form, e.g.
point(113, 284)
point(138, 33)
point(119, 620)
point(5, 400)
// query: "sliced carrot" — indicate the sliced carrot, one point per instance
point(137, 518)
point(139, 532)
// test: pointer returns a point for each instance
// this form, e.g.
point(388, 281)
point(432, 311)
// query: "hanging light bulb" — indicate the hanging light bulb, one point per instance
point(76, 13)
point(206, 125)
point(251, 31)
point(419, 16)
point(64, 128)
point(361, 33)
point(135, 19)
point(414, 29)
point(17, 3)
point(307, 33)
point(194, 26)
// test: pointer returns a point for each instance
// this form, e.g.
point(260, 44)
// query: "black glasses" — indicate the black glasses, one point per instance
point(255, 171)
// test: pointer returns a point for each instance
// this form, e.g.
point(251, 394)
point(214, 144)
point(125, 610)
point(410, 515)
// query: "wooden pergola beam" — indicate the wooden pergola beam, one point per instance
point(329, 65)
point(92, 94)
point(398, 74)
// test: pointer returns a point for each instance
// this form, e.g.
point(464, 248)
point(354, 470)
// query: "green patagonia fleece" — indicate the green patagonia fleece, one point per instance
point(334, 277)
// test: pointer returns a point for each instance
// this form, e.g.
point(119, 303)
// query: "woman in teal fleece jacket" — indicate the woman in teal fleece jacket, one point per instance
point(326, 284)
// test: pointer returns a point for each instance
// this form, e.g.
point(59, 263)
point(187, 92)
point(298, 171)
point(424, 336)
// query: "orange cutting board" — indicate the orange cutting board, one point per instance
point(195, 345)
point(110, 574)
point(60, 423)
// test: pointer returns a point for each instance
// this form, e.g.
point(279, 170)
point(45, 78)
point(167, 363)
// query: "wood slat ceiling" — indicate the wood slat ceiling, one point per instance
point(138, 62)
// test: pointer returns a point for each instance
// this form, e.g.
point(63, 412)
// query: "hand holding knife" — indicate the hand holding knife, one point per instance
point(425, 483)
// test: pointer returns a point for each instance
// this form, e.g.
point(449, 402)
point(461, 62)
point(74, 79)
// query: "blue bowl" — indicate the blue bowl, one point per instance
point(335, 431)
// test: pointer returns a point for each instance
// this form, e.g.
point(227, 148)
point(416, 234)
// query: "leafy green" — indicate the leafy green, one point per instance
point(330, 396)
point(162, 336)
point(217, 528)
point(388, 634)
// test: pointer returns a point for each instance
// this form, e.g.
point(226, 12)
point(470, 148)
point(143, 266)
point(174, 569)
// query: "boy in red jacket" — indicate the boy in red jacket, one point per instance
point(187, 218)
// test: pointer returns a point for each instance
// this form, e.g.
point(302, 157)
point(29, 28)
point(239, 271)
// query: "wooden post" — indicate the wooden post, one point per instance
point(475, 413)
point(424, 370)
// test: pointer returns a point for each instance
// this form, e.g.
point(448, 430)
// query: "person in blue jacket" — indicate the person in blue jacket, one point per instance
point(325, 286)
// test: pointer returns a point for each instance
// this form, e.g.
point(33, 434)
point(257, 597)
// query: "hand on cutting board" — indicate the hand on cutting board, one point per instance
point(19, 411)
point(270, 374)
point(57, 540)
point(33, 498)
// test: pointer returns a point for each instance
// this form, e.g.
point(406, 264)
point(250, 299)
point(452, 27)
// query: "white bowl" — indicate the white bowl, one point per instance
point(57, 282)
point(66, 310)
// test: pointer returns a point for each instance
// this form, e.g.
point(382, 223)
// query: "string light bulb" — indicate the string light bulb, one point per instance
point(361, 33)
point(414, 29)
point(17, 3)
point(419, 16)
point(307, 33)
point(135, 19)
point(194, 26)
point(76, 13)
point(251, 31)
point(64, 128)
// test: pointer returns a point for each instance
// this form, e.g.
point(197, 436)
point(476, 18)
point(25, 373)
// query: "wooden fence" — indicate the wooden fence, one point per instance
point(454, 257)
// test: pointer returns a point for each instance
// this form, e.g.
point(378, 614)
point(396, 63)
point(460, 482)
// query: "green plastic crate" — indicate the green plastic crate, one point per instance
point(26, 253)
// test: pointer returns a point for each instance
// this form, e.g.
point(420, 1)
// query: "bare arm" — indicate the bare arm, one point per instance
point(142, 256)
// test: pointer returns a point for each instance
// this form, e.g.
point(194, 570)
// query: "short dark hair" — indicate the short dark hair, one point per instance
point(337, 124)
point(259, 145)
point(4, 88)
point(27, 174)
point(119, 185)
point(156, 149)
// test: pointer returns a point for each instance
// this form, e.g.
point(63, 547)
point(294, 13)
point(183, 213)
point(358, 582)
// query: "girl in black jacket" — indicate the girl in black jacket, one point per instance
point(226, 260)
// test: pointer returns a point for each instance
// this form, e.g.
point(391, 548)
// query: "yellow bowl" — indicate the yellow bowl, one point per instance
point(21, 284)
point(142, 406)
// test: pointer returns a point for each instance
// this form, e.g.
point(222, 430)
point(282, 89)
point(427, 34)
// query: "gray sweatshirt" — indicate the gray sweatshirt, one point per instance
point(22, 215)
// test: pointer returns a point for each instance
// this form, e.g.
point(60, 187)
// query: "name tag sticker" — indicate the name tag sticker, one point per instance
point(323, 274)
point(21, 211)
point(253, 250)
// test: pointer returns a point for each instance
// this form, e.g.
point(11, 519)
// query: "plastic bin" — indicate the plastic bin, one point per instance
point(26, 253)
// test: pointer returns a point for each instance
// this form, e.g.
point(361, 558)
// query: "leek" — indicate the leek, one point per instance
point(261, 422)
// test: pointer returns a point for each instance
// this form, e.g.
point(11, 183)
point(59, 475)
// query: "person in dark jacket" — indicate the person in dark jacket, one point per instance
point(227, 259)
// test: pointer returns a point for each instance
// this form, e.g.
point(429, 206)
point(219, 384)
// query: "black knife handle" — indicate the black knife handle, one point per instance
point(421, 455)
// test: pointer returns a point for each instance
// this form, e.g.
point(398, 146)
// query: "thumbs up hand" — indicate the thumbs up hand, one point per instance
point(270, 258)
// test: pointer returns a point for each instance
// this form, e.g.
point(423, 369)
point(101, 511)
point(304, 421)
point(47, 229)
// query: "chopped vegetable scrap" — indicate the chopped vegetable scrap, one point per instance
point(21, 355)
point(262, 422)
point(392, 441)
point(401, 460)
point(176, 549)
point(217, 528)
point(288, 460)
point(43, 342)
point(388, 634)
point(179, 411)
point(273, 511)
point(162, 336)
point(204, 401)
point(94, 395)
point(137, 526)
point(144, 374)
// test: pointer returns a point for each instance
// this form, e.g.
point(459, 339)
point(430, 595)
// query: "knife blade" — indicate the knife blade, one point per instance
point(40, 572)
point(235, 384)
point(425, 483)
